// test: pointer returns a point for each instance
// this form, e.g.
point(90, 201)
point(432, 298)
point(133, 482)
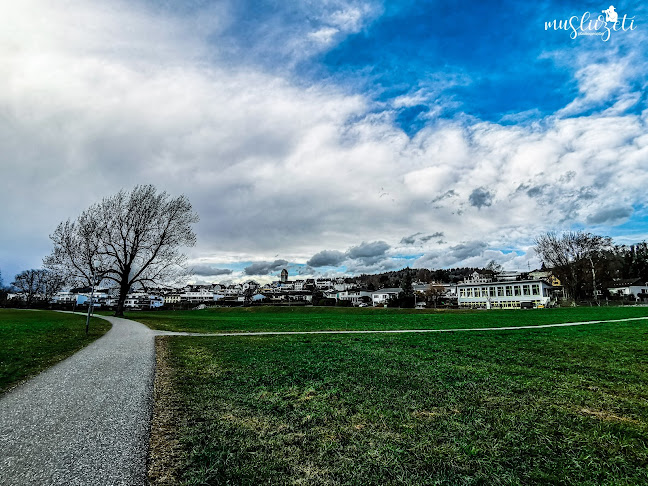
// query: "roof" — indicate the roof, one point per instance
point(626, 282)
point(503, 283)
point(394, 290)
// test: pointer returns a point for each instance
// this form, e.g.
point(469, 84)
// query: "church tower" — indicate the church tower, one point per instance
point(284, 276)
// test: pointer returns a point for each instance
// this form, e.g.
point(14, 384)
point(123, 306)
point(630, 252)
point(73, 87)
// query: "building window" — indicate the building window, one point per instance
point(509, 291)
point(470, 292)
point(526, 290)
point(517, 290)
point(462, 292)
point(500, 291)
point(492, 291)
point(478, 292)
point(535, 289)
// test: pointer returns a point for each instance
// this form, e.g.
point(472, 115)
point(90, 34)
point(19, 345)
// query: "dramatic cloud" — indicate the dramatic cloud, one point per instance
point(264, 268)
point(326, 258)
point(224, 102)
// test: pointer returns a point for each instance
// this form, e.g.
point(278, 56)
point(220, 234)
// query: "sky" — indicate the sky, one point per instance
point(328, 137)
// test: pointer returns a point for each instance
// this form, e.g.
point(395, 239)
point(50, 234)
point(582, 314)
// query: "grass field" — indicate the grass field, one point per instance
point(331, 318)
point(34, 340)
point(544, 406)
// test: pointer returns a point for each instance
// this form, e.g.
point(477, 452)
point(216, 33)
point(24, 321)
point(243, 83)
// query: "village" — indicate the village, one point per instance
point(506, 290)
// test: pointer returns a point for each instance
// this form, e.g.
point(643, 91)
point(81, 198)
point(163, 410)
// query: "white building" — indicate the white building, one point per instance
point(380, 297)
point(142, 300)
point(477, 278)
point(629, 287)
point(355, 296)
point(504, 295)
point(67, 297)
point(249, 285)
point(323, 283)
point(197, 296)
point(171, 299)
point(342, 286)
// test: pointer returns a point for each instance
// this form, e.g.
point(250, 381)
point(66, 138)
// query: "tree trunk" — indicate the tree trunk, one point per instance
point(123, 290)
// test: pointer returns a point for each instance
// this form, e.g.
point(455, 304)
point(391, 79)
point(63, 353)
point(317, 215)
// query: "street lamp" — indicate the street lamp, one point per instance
point(91, 306)
point(91, 299)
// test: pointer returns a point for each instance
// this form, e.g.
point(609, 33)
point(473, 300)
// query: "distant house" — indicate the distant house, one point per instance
point(356, 296)
point(324, 283)
point(380, 297)
point(197, 295)
point(628, 287)
point(171, 299)
point(545, 275)
point(477, 278)
point(143, 300)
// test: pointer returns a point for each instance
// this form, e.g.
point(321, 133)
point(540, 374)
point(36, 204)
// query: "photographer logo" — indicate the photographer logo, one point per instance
point(588, 24)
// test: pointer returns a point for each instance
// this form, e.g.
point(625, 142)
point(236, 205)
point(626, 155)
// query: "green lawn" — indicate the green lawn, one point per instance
point(34, 340)
point(545, 406)
point(323, 318)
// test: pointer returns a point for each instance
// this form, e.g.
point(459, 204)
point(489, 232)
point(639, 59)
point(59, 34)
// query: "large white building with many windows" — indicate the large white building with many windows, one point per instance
point(504, 295)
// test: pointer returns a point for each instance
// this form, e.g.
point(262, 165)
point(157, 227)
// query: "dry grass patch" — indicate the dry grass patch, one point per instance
point(165, 449)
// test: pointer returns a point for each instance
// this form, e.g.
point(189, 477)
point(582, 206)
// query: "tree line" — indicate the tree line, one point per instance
point(587, 263)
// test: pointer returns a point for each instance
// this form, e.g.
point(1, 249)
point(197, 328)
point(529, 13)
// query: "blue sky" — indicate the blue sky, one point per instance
point(364, 134)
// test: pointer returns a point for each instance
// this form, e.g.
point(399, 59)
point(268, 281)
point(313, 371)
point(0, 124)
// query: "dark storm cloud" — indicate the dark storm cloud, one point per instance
point(207, 270)
point(409, 240)
point(326, 258)
point(609, 215)
point(467, 250)
point(363, 255)
point(480, 197)
point(425, 239)
point(412, 239)
point(366, 251)
point(264, 268)
point(445, 195)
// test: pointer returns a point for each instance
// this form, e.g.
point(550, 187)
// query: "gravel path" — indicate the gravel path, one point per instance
point(86, 420)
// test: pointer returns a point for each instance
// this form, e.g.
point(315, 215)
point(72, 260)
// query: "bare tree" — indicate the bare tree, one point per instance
point(26, 282)
point(571, 256)
point(37, 284)
point(494, 269)
point(50, 283)
point(434, 293)
point(132, 239)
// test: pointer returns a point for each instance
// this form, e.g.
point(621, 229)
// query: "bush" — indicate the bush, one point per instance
point(402, 301)
point(326, 302)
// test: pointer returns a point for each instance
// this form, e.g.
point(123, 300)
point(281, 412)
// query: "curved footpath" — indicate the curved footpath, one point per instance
point(86, 420)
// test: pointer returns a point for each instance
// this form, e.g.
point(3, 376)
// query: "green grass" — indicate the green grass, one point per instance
point(545, 406)
point(34, 340)
point(323, 318)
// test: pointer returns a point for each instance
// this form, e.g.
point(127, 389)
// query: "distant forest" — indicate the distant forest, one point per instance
point(395, 278)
